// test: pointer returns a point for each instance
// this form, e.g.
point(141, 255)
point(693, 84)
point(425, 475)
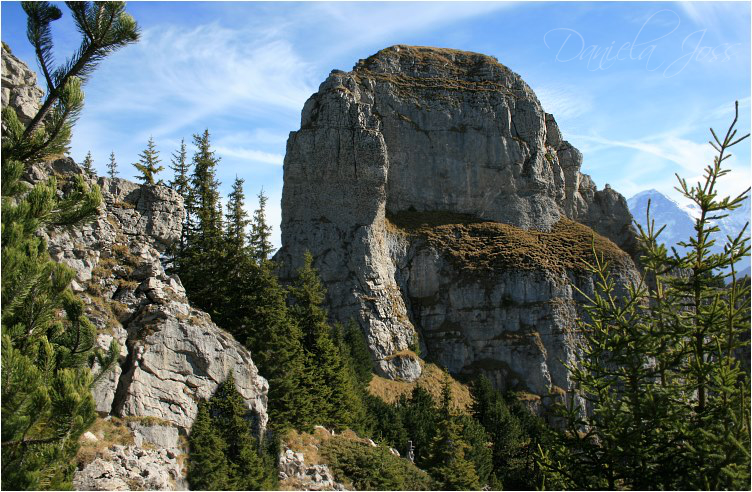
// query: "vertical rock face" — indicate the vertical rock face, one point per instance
point(171, 355)
point(414, 139)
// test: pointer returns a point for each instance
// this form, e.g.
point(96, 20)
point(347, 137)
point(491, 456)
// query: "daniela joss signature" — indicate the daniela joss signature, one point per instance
point(573, 47)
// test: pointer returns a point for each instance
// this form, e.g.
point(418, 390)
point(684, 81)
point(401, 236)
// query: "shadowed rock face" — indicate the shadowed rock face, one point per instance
point(456, 138)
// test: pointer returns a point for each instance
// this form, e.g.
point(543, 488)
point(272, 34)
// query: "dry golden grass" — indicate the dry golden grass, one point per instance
point(432, 380)
point(473, 245)
point(108, 432)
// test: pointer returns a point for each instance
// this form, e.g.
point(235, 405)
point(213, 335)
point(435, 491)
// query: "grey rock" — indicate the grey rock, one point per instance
point(131, 468)
point(309, 477)
point(171, 354)
point(434, 130)
point(19, 87)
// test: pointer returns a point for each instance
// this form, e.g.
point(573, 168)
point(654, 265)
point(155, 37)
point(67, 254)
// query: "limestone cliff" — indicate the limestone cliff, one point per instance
point(446, 214)
point(172, 355)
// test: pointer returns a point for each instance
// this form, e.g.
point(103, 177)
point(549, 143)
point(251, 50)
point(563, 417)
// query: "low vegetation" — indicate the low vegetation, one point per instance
point(474, 245)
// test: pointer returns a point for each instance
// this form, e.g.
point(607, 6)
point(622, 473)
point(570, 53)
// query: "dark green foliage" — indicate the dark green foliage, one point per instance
point(369, 468)
point(88, 164)
point(448, 463)
point(478, 452)
point(356, 350)
point(224, 453)
point(148, 163)
point(668, 400)
point(48, 343)
point(333, 390)
point(237, 220)
point(180, 183)
point(204, 254)
point(208, 468)
point(420, 418)
point(112, 166)
point(261, 231)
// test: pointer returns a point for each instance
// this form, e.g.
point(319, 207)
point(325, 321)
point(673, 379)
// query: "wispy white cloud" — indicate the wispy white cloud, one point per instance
point(563, 100)
point(250, 155)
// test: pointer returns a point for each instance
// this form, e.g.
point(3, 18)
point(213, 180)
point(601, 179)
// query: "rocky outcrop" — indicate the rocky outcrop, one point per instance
point(19, 87)
point(172, 355)
point(419, 144)
point(292, 468)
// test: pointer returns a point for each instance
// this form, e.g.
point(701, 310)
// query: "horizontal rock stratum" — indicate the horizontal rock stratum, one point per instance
point(447, 216)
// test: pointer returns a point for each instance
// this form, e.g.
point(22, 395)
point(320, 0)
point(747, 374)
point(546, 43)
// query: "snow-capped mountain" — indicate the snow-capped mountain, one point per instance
point(680, 219)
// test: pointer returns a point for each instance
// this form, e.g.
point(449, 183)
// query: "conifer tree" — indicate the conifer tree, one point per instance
point(112, 166)
point(180, 167)
point(181, 183)
point(224, 452)
point(669, 403)
point(449, 465)
point(232, 419)
point(332, 391)
point(261, 231)
point(148, 163)
point(277, 344)
point(236, 219)
point(88, 164)
point(208, 468)
point(421, 420)
point(47, 341)
point(204, 254)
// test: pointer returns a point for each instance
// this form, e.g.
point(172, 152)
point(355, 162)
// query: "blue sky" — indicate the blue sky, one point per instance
point(635, 86)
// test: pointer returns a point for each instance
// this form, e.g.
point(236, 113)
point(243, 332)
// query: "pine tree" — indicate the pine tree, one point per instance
point(208, 468)
point(449, 465)
point(331, 392)
point(148, 163)
point(357, 350)
point(232, 419)
point(112, 166)
point(420, 419)
point(261, 232)
point(669, 404)
point(204, 255)
point(236, 219)
point(47, 341)
point(224, 451)
point(180, 183)
point(88, 164)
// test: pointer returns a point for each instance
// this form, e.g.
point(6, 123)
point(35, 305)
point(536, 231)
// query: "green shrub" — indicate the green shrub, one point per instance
point(373, 468)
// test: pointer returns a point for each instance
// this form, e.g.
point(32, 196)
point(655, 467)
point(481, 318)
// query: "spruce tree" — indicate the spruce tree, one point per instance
point(668, 401)
point(47, 341)
point(224, 451)
point(88, 164)
point(449, 465)
point(236, 219)
point(332, 390)
point(421, 420)
point(112, 166)
point(148, 163)
point(204, 254)
point(208, 468)
point(248, 470)
point(261, 232)
point(180, 183)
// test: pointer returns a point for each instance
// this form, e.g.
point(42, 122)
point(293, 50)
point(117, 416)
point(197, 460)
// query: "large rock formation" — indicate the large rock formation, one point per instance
point(446, 213)
point(171, 355)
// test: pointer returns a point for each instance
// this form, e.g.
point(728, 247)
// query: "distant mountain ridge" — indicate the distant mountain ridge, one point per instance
point(680, 220)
